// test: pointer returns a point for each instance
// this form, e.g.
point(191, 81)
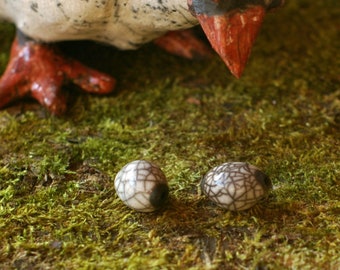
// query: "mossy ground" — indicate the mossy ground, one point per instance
point(58, 207)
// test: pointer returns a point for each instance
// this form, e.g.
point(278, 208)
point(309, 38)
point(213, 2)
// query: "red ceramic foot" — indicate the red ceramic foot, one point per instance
point(184, 43)
point(39, 70)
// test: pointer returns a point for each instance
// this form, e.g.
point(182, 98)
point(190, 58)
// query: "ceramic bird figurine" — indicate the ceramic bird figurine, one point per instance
point(38, 69)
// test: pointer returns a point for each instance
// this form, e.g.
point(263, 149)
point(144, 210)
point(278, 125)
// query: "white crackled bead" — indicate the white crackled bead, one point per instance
point(142, 186)
point(235, 186)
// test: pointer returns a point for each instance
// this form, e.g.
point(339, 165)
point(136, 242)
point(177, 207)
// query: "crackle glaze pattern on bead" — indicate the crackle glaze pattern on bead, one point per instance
point(142, 186)
point(235, 186)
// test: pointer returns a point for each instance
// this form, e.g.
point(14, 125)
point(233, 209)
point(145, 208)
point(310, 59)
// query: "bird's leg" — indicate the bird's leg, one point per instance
point(39, 70)
point(184, 43)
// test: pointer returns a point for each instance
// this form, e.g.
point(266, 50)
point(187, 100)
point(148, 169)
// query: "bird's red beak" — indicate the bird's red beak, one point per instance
point(232, 35)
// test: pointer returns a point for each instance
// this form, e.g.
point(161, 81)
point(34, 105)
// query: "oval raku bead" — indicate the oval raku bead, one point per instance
point(235, 186)
point(142, 186)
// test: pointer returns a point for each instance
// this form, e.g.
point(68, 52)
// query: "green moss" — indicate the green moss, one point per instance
point(58, 207)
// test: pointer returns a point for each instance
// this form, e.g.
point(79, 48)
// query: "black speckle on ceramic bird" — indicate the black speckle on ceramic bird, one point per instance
point(36, 68)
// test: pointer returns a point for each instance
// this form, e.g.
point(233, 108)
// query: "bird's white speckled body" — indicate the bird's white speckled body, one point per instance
point(125, 24)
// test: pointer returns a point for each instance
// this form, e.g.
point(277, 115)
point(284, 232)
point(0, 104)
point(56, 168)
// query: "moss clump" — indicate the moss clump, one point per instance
point(58, 207)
